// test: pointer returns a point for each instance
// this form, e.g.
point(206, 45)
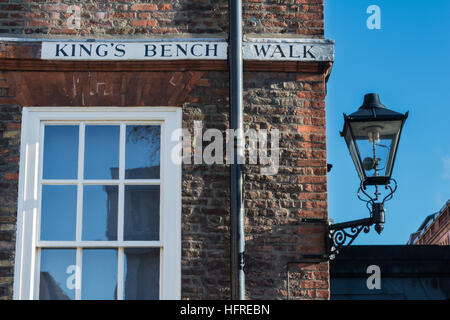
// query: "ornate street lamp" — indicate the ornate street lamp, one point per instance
point(372, 135)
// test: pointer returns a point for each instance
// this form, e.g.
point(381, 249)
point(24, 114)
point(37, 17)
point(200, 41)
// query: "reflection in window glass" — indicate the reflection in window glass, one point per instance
point(101, 155)
point(141, 274)
point(60, 152)
point(99, 274)
point(57, 275)
point(141, 215)
point(142, 152)
point(100, 213)
point(58, 212)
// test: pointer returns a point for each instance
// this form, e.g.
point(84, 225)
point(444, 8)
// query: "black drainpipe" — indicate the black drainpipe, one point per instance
point(236, 123)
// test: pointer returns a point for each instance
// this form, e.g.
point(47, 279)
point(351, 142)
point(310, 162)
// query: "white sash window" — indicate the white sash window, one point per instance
point(99, 213)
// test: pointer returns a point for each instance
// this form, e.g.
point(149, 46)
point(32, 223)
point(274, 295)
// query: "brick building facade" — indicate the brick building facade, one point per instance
point(435, 229)
point(143, 18)
point(285, 91)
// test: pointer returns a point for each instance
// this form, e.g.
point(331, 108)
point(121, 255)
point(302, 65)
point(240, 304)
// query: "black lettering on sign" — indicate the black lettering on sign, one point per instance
point(208, 49)
point(183, 50)
point(165, 50)
point(291, 52)
point(83, 48)
point(307, 51)
point(193, 50)
point(101, 53)
point(121, 50)
point(150, 50)
point(278, 50)
point(61, 50)
point(262, 49)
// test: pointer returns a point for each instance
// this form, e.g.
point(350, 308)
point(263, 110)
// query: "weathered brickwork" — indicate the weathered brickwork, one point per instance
point(275, 237)
point(10, 117)
point(297, 17)
point(144, 18)
point(206, 199)
point(438, 232)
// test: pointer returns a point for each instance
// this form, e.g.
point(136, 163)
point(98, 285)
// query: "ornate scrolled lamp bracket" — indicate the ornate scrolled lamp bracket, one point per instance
point(342, 235)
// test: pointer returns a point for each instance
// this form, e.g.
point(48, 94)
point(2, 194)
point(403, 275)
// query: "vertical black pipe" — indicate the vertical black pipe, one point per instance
point(236, 123)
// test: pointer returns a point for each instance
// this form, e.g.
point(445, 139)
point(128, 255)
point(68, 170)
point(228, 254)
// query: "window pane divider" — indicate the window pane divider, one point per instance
point(79, 218)
point(121, 204)
point(142, 181)
point(99, 244)
point(102, 182)
point(78, 273)
point(120, 271)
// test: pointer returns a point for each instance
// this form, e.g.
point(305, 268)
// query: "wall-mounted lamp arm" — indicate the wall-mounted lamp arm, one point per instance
point(342, 235)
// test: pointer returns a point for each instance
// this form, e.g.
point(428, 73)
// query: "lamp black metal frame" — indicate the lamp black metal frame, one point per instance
point(372, 111)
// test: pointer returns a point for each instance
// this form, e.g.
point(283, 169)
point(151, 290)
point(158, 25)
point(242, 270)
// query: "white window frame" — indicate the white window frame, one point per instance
point(26, 276)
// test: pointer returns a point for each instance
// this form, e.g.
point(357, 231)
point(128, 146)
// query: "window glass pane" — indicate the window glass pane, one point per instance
point(141, 216)
point(101, 154)
point(142, 152)
point(99, 274)
point(58, 212)
point(60, 152)
point(141, 274)
point(57, 275)
point(100, 213)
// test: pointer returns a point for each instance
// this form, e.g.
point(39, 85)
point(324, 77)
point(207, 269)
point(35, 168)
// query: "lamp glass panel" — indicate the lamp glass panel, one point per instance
point(354, 153)
point(376, 142)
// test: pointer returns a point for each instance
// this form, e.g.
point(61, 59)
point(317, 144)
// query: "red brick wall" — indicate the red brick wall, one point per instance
point(144, 18)
point(9, 167)
point(292, 102)
point(275, 236)
point(439, 231)
point(276, 239)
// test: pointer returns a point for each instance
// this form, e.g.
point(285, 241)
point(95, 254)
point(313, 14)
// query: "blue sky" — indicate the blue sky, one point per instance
point(407, 63)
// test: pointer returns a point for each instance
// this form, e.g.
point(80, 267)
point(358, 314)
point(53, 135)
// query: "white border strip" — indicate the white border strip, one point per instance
point(149, 50)
point(254, 48)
